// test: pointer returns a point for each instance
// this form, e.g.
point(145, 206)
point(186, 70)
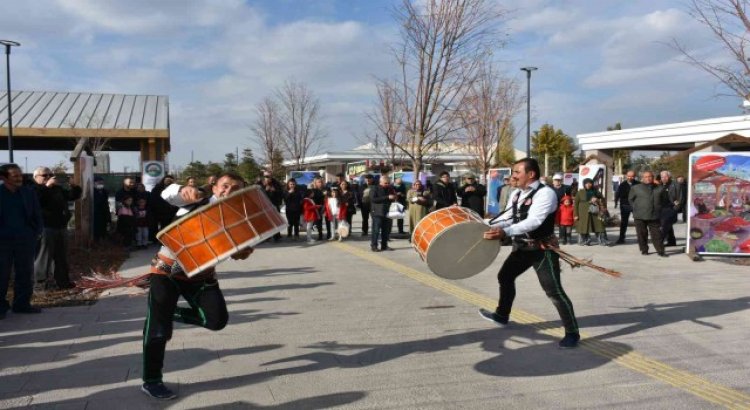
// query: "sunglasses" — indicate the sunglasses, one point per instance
point(46, 175)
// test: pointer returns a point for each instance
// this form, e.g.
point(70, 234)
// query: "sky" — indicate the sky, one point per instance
point(600, 62)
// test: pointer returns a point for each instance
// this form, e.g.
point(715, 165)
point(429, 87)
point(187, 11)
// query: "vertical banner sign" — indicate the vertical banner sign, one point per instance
point(153, 172)
point(595, 172)
point(494, 183)
point(719, 203)
point(570, 178)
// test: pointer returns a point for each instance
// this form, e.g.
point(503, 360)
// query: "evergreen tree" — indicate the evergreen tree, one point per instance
point(277, 165)
point(213, 168)
point(230, 162)
point(248, 167)
point(195, 169)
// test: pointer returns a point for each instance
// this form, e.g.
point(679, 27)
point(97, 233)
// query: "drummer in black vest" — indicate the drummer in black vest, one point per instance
point(529, 220)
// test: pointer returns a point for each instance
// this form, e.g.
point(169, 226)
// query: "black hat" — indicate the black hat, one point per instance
point(368, 176)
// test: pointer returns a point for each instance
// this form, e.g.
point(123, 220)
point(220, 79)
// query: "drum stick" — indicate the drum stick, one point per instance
point(470, 249)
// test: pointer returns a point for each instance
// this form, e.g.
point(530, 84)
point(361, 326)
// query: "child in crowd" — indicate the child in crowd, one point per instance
point(141, 224)
point(126, 221)
point(310, 214)
point(335, 209)
point(565, 219)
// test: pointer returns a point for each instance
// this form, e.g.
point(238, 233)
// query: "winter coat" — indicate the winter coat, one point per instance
point(380, 203)
point(647, 201)
point(473, 200)
point(587, 222)
point(418, 209)
point(54, 202)
point(445, 195)
point(310, 210)
point(566, 213)
point(342, 209)
point(293, 201)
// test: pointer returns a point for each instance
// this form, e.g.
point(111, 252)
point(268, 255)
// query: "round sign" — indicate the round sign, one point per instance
point(584, 171)
point(153, 170)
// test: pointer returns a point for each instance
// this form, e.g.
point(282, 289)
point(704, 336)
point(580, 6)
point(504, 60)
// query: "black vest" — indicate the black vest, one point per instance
point(546, 229)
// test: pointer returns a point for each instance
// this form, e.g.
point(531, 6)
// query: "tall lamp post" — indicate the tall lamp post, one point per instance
point(528, 108)
point(8, 44)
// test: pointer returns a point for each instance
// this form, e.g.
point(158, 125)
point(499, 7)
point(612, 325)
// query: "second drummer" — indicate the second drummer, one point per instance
point(168, 282)
point(529, 220)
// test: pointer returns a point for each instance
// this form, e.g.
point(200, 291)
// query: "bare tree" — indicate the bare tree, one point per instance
point(729, 23)
point(96, 143)
point(486, 116)
point(387, 121)
point(442, 43)
point(300, 122)
point(267, 130)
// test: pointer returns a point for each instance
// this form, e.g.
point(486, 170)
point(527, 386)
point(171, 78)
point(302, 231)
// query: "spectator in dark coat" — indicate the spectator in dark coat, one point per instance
point(646, 199)
point(293, 197)
point(128, 188)
point(673, 203)
point(684, 187)
point(621, 196)
point(52, 254)
point(363, 197)
point(102, 213)
point(381, 197)
point(275, 193)
point(444, 192)
point(348, 196)
point(319, 197)
point(472, 194)
point(20, 225)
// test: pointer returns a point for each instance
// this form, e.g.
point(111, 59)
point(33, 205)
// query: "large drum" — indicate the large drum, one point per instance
point(450, 241)
point(211, 233)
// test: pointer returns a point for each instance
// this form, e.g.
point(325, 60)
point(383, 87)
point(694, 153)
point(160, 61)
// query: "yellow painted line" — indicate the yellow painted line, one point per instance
point(698, 386)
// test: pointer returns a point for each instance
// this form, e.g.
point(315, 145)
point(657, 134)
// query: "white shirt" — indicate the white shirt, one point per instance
point(543, 204)
point(171, 194)
point(333, 206)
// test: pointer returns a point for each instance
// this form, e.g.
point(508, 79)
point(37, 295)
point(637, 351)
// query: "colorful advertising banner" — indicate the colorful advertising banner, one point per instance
point(303, 178)
point(719, 203)
point(494, 182)
point(408, 177)
point(595, 172)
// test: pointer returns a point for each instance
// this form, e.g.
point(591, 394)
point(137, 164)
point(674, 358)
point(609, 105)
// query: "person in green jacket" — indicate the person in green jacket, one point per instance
point(419, 204)
point(588, 222)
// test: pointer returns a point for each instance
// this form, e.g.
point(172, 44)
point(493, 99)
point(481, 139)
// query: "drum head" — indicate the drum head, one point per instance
point(461, 252)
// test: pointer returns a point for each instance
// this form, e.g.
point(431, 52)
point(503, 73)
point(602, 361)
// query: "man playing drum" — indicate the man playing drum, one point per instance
point(529, 220)
point(168, 282)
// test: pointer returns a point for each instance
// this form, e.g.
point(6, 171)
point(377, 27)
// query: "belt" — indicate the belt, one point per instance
point(162, 265)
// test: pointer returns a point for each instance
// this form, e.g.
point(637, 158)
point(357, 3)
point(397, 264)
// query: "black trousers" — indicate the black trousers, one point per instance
point(207, 309)
point(642, 229)
point(625, 211)
point(52, 257)
point(668, 219)
point(365, 219)
point(292, 218)
point(319, 225)
point(17, 255)
point(547, 267)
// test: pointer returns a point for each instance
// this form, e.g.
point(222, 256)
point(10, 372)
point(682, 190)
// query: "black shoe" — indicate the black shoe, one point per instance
point(501, 321)
point(388, 248)
point(644, 253)
point(158, 391)
point(27, 309)
point(663, 255)
point(374, 249)
point(671, 244)
point(569, 341)
point(364, 233)
point(2, 315)
point(620, 241)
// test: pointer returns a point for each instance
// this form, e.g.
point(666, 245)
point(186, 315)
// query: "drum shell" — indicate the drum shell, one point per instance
point(212, 233)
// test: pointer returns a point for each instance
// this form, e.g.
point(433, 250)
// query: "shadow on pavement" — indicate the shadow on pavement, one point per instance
point(310, 403)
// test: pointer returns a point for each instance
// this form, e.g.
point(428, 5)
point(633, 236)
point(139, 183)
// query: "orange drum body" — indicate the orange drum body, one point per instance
point(450, 241)
point(211, 233)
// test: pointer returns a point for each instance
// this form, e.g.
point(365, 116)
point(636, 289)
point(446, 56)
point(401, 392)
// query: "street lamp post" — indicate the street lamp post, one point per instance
point(528, 108)
point(8, 44)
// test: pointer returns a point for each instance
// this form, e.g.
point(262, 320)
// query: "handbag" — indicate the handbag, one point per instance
point(396, 211)
point(344, 229)
point(594, 209)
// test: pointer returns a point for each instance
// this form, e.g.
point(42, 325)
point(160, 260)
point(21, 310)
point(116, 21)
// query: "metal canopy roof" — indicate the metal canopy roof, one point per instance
point(47, 119)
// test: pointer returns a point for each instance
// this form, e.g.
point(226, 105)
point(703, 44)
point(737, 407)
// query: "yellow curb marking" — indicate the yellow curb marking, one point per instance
point(688, 382)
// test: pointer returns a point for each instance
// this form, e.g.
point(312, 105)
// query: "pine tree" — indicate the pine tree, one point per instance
point(277, 165)
point(248, 168)
point(230, 162)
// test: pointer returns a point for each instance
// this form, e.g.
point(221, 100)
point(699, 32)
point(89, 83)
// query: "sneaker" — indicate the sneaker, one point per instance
point(27, 309)
point(570, 341)
point(493, 317)
point(158, 391)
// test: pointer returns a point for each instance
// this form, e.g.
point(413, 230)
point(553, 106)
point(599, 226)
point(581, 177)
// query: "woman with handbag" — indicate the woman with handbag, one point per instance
point(419, 201)
point(587, 202)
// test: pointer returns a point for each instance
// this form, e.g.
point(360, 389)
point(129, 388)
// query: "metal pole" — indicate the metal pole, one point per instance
point(10, 111)
point(528, 108)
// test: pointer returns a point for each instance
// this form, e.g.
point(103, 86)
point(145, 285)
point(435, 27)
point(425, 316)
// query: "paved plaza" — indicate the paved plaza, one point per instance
point(333, 324)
